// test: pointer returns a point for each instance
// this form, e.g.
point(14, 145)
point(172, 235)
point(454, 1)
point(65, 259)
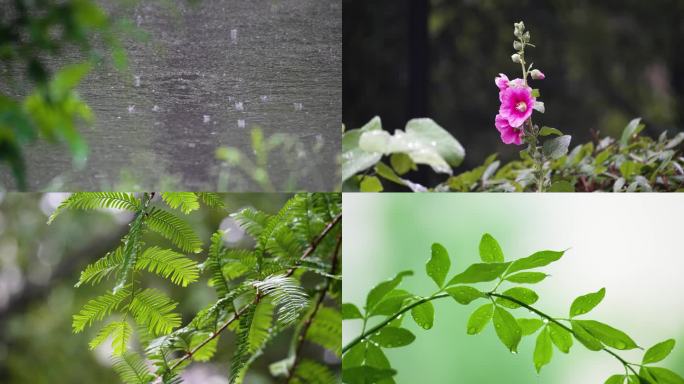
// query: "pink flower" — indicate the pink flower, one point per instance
point(537, 74)
point(509, 135)
point(501, 81)
point(516, 104)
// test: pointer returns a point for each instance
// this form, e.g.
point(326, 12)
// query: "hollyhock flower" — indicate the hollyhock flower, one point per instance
point(516, 104)
point(509, 135)
point(501, 81)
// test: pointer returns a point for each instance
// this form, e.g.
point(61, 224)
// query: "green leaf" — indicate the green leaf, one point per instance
point(120, 331)
point(169, 264)
point(616, 379)
point(132, 369)
point(632, 129)
point(479, 272)
point(401, 163)
point(424, 315)
point(393, 337)
point(154, 310)
point(427, 131)
point(585, 337)
point(507, 329)
point(543, 350)
point(174, 229)
point(557, 147)
point(561, 338)
point(548, 131)
point(438, 265)
point(529, 326)
point(664, 376)
point(480, 318)
point(326, 330)
point(355, 159)
point(98, 308)
point(585, 303)
point(387, 173)
point(608, 335)
point(490, 251)
point(370, 184)
point(350, 311)
point(658, 352)
point(379, 291)
point(94, 200)
point(536, 260)
point(391, 303)
point(562, 186)
point(187, 201)
point(464, 294)
point(522, 294)
point(526, 277)
point(365, 374)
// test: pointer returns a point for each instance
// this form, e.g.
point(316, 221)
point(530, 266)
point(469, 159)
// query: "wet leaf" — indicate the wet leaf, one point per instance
point(490, 250)
point(424, 315)
point(393, 337)
point(585, 303)
point(480, 318)
point(438, 265)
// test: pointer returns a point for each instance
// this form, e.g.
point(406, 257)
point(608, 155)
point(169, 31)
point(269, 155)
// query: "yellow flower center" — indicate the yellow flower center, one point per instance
point(521, 106)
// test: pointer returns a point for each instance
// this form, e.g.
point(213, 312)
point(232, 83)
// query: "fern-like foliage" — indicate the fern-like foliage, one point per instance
point(94, 200)
point(259, 290)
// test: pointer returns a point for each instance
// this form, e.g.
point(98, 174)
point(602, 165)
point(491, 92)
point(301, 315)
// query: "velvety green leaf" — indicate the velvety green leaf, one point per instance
point(355, 159)
point(633, 128)
point(424, 315)
point(391, 303)
point(665, 376)
point(561, 338)
point(529, 326)
point(557, 147)
point(480, 318)
point(379, 291)
point(430, 132)
point(490, 251)
point(615, 379)
point(464, 294)
point(370, 184)
point(393, 337)
point(608, 335)
point(507, 329)
point(536, 260)
point(479, 272)
point(548, 131)
point(585, 337)
point(438, 265)
point(350, 311)
point(658, 352)
point(522, 294)
point(527, 277)
point(586, 303)
point(365, 374)
point(543, 350)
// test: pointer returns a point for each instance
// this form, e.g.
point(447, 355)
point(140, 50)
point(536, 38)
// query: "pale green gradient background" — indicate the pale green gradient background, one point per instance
point(631, 244)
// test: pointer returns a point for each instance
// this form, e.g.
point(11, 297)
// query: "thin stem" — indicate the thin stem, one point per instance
point(318, 303)
point(314, 244)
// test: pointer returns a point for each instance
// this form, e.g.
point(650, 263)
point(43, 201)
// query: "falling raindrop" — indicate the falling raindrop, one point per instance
point(131, 108)
point(263, 98)
point(241, 123)
point(233, 36)
point(298, 106)
point(136, 80)
point(155, 108)
point(206, 119)
point(239, 106)
point(191, 145)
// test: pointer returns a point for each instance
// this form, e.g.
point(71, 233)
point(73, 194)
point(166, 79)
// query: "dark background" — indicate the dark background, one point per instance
point(605, 63)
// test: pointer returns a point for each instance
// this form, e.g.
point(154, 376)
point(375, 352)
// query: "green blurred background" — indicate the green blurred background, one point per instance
point(606, 62)
point(631, 245)
point(39, 265)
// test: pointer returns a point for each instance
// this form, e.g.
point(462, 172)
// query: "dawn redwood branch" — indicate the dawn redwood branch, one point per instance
point(384, 323)
point(314, 244)
point(319, 302)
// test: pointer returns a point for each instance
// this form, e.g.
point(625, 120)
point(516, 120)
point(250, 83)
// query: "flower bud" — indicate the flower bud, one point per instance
point(517, 45)
point(537, 74)
point(516, 58)
point(518, 29)
point(526, 37)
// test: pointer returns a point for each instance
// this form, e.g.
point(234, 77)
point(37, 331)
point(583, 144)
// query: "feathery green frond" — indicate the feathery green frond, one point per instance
point(214, 264)
point(326, 330)
point(207, 351)
point(175, 229)
point(284, 244)
point(211, 199)
point(169, 264)
point(130, 251)
point(95, 272)
point(311, 372)
point(253, 221)
point(241, 356)
point(93, 200)
point(120, 331)
point(132, 369)
point(187, 201)
point(98, 308)
point(286, 294)
point(154, 310)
